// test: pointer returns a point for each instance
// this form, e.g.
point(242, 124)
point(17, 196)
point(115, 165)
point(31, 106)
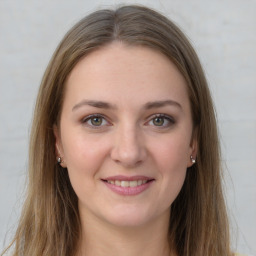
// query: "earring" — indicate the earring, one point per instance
point(59, 160)
point(192, 159)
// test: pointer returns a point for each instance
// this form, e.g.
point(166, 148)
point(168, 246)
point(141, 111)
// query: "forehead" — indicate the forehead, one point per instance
point(125, 74)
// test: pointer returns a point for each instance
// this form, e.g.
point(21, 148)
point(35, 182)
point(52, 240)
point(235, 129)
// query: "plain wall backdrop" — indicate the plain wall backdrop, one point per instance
point(223, 33)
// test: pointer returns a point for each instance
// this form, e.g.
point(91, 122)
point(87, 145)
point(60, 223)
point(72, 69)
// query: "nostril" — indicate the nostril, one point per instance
point(128, 149)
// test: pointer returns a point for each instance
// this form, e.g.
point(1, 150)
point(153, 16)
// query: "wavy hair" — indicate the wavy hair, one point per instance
point(49, 223)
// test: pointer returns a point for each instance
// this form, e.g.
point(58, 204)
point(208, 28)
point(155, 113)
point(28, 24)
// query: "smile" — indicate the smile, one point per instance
point(125, 183)
point(128, 186)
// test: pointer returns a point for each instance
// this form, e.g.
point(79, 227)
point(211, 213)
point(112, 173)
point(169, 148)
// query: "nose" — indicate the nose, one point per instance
point(129, 147)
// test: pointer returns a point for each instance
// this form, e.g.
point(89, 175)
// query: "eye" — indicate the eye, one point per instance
point(95, 121)
point(161, 120)
point(158, 121)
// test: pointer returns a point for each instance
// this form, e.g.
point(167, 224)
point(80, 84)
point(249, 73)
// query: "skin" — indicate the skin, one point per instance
point(129, 139)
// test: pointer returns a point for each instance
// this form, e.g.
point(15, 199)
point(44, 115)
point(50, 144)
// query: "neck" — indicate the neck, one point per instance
point(100, 239)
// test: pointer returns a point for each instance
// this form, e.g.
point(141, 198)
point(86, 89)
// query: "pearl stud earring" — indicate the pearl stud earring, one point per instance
point(59, 160)
point(192, 159)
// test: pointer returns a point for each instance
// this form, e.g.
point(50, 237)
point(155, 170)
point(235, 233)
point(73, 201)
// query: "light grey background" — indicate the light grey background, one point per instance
point(224, 35)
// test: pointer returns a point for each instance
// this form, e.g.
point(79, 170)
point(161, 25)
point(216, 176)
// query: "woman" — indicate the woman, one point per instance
point(125, 109)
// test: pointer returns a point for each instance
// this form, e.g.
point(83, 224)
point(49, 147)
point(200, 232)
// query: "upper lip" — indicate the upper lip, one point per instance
point(128, 178)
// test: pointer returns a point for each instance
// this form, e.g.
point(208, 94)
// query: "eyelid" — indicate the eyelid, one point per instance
point(170, 119)
point(87, 118)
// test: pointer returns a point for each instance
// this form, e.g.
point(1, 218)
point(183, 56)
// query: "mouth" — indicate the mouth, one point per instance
point(125, 183)
point(128, 185)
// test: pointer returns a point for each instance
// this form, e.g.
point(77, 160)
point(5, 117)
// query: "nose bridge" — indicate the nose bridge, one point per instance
point(129, 147)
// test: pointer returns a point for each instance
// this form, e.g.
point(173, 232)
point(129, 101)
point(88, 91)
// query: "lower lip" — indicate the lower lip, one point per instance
point(129, 191)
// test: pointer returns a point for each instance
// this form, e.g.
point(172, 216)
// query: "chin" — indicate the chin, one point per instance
point(129, 217)
point(128, 221)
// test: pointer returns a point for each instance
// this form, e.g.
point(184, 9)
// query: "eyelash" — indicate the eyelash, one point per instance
point(169, 119)
point(90, 118)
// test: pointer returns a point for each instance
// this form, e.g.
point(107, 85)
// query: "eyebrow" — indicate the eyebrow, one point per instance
point(94, 103)
point(106, 105)
point(162, 103)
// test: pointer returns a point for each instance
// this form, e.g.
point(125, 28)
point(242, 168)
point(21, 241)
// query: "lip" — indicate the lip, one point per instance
point(128, 191)
point(127, 178)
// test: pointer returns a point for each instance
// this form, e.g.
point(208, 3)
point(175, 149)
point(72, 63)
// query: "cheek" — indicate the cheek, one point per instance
point(172, 166)
point(84, 157)
point(171, 159)
point(173, 151)
point(84, 154)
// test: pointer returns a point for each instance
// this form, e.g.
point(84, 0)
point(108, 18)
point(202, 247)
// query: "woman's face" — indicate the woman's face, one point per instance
point(125, 134)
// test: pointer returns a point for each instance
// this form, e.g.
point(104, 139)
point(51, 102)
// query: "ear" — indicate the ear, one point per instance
point(193, 150)
point(58, 146)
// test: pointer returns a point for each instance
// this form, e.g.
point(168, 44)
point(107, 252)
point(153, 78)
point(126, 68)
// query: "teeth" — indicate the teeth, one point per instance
point(133, 183)
point(117, 183)
point(125, 183)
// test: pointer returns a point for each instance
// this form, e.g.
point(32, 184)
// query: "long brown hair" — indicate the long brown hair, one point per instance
point(49, 223)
